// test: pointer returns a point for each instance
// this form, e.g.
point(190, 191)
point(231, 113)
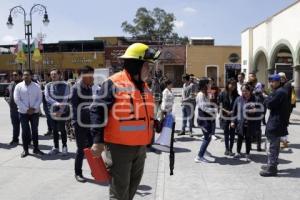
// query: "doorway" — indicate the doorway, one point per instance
point(174, 73)
point(212, 72)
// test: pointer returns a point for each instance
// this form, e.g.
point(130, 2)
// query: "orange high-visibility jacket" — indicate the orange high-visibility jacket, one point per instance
point(131, 118)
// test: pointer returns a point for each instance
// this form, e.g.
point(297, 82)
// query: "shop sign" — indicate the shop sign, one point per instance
point(233, 66)
point(81, 60)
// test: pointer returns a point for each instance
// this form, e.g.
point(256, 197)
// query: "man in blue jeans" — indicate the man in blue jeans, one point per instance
point(28, 97)
point(188, 99)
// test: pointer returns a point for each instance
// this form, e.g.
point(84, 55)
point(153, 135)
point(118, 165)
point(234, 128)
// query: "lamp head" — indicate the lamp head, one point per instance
point(46, 19)
point(9, 22)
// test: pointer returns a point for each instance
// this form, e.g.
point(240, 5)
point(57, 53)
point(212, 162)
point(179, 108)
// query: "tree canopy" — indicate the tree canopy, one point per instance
point(155, 25)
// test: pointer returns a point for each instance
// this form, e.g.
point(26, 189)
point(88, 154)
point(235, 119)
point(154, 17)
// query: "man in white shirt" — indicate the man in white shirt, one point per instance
point(28, 97)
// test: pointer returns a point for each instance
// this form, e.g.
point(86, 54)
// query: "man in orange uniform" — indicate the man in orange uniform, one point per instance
point(122, 119)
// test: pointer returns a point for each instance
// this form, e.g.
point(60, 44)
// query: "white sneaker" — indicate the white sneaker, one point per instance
point(214, 137)
point(54, 151)
point(197, 159)
point(201, 160)
point(237, 156)
point(65, 151)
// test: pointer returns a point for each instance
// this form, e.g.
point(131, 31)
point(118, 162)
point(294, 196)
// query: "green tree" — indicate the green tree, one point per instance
point(156, 25)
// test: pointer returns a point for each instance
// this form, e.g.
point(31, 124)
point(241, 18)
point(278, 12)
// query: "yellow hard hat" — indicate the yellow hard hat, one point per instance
point(140, 51)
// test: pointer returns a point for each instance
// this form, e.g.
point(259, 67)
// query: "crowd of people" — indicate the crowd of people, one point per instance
point(241, 107)
point(118, 116)
point(59, 99)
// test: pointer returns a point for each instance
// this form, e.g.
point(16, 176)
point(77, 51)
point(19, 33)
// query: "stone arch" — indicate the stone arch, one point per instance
point(297, 61)
point(261, 65)
point(282, 58)
point(276, 48)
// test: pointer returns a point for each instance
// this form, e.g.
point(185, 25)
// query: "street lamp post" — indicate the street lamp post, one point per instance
point(28, 23)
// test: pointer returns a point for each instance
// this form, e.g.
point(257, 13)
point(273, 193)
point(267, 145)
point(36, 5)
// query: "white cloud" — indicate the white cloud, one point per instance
point(8, 39)
point(189, 10)
point(179, 24)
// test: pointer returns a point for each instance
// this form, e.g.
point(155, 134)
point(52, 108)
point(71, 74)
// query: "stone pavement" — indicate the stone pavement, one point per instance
point(229, 179)
point(51, 178)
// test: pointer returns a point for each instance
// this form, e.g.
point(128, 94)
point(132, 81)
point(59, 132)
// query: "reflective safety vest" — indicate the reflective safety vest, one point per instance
point(131, 117)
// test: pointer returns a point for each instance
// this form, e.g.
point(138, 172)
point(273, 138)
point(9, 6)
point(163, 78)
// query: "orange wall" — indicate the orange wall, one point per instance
point(198, 57)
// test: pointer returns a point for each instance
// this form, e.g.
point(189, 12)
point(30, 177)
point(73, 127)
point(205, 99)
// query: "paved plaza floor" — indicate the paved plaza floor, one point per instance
point(52, 177)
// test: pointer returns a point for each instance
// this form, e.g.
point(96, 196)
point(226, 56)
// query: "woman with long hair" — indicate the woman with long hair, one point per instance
point(226, 102)
point(206, 117)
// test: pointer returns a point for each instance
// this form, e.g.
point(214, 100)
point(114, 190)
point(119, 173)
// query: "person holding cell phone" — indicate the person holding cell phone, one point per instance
point(246, 114)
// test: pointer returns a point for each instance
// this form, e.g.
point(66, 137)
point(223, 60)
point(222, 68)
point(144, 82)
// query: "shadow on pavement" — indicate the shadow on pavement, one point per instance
point(294, 146)
point(58, 157)
point(229, 161)
point(181, 150)
point(144, 188)
point(295, 123)
point(288, 151)
point(157, 149)
point(36, 156)
point(186, 139)
point(262, 159)
point(42, 137)
point(7, 146)
point(289, 173)
point(45, 147)
point(92, 181)
point(221, 133)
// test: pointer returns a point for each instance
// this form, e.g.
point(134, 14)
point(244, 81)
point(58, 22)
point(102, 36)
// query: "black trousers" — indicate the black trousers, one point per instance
point(193, 113)
point(48, 116)
point(258, 138)
point(30, 125)
point(15, 120)
point(229, 134)
point(248, 140)
point(84, 140)
point(59, 126)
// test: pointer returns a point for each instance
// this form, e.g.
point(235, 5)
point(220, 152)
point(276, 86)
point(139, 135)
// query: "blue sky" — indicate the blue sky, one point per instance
point(83, 19)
